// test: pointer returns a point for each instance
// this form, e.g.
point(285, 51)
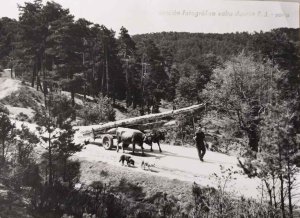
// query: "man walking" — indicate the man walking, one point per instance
point(200, 138)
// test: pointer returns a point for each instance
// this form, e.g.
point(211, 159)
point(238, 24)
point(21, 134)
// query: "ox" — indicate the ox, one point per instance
point(154, 136)
point(128, 136)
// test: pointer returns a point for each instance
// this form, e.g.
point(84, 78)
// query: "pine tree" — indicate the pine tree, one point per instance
point(64, 147)
point(26, 141)
point(127, 53)
point(56, 131)
point(154, 78)
point(47, 129)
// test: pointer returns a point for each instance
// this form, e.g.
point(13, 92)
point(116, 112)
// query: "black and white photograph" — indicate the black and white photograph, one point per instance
point(149, 109)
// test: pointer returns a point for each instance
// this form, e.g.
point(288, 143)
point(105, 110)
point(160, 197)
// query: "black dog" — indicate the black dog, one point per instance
point(126, 158)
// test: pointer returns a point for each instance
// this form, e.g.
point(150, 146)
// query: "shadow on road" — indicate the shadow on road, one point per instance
point(167, 153)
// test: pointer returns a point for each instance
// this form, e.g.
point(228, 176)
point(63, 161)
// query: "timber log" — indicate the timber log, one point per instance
point(157, 118)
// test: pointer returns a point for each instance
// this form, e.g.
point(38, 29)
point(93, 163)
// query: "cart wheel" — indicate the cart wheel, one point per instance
point(107, 142)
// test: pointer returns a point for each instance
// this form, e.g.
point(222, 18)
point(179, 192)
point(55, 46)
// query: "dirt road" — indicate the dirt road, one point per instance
point(177, 162)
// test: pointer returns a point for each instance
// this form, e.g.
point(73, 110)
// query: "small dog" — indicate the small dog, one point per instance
point(147, 165)
point(128, 160)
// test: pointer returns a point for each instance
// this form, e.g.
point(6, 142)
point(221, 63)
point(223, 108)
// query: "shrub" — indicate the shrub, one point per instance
point(25, 97)
point(134, 112)
point(93, 113)
point(22, 117)
point(4, 109)
point(104, 173)
point(61, 108)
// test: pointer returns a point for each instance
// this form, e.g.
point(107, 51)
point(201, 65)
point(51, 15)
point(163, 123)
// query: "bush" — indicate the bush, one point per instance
point(26, 98)
point(61, 108)
point(31, 176)
point(93, 113)
point(22, 117)
point(4, 109)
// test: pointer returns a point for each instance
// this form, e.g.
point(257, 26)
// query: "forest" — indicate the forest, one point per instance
point(251, 79)
point(50, 49)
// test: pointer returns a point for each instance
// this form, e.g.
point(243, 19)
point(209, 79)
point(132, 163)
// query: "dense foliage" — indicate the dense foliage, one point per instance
point(51, 49)
point(95, 113)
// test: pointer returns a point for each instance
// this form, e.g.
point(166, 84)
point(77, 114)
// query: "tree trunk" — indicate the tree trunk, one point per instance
point(182, 136)
point(269, 193)
point(84, 94)
point(3, 150)
point(37, 83)
point(65, 169)
point(274, 190)
point(142, 87)
point(282, 195)
point(20, 154)
point(73, 97)
point(128, 92)
point(107, 75)
point(45, 91)
point(46, 173)
point(11, 72)
point(289, 183)
point(144, 119)
point(253, 138)
point(33, 75)
point(50, 162)
point(103, 81)
point(281, 184)
point(134, 101)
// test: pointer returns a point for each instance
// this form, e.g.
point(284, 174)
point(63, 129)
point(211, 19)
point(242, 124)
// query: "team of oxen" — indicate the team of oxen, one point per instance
point(127, 136)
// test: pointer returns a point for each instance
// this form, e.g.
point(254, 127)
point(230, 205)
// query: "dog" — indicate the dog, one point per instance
point(147, 165)
point(128, 159)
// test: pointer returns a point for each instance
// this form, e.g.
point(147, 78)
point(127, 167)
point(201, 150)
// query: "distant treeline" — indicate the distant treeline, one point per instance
point(51, 49)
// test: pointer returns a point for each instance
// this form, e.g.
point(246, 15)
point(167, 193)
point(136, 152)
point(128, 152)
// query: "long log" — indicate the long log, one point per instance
point(139, 120)
point(145, 126)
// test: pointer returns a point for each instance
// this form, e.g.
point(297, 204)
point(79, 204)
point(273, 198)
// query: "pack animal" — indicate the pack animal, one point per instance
point(128, 159)
point(154, 137)
point(128, 136)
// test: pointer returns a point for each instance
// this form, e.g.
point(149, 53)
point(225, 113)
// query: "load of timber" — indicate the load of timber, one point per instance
point(141, 120)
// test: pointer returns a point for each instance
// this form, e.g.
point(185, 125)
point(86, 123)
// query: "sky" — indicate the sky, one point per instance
point(208, 16)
